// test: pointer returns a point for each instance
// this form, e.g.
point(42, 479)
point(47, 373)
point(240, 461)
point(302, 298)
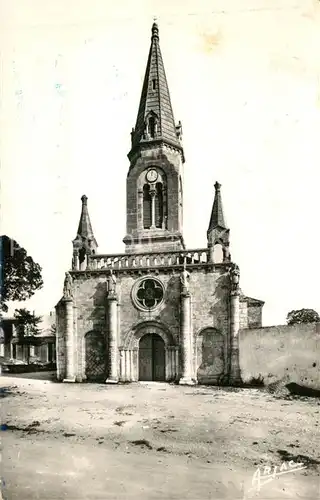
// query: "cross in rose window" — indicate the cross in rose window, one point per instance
point(149, 293)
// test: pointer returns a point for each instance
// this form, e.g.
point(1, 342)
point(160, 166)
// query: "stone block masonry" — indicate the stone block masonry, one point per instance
point(290, 353)
point(208, 320)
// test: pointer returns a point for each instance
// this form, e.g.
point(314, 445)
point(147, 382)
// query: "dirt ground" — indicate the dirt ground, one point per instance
point(154, 441)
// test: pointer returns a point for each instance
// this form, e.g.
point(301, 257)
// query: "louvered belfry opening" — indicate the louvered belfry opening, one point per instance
point(159, 205)
point(152, 127)
point(147, 207)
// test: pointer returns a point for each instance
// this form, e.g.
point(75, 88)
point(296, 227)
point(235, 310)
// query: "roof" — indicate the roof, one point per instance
point(85, 232)
point(34, 339)
point(155, 99)
point(251, 301)
point(217, 217)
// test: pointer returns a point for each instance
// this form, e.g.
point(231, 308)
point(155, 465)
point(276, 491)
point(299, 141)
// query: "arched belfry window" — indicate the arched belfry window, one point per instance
point(159, 205)
point(153, 188)
point(147, 207)
point(152, 127)
point(82, 255)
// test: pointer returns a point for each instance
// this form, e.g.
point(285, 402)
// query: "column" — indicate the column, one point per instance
point(140, 208)
point(84, 263)
point(128, 366)
point(186, 378)
point(83, 359)
point(122, 365)
point(69, 341)
point(25, 353)
point(76, 263)
point(153, 207)
point(112, 305)
point(234, 338)
point(131, 365)
point(168, 363)
point(173, 364)
point(165, 202)
point(211, 253)
point(177, 363)
point(173, 355)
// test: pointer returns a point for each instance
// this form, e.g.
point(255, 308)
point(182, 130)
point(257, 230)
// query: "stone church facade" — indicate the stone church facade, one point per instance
point(158, 311)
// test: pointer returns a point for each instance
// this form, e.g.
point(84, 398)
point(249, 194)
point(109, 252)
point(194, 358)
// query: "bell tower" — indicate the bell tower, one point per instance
point(155, 177)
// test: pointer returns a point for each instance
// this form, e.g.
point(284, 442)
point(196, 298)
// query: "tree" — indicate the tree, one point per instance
point(27, 323)
point(20, 275)
point(302, 316)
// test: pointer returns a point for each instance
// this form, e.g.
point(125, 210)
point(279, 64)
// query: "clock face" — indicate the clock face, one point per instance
point(152, 175)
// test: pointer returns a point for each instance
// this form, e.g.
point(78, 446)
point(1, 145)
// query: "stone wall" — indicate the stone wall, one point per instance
point(243, 314)
point(250, 313)
point(140, 240)
point(90, 319)
point(254, 316)
point(60, 341)
point(167, 313)
point(209, 310)
point(281, 352)
point(210, 324)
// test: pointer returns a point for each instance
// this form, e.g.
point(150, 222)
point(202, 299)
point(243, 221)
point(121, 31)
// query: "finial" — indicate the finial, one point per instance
point(217, 186)
point(84, 199)
point(155, 30)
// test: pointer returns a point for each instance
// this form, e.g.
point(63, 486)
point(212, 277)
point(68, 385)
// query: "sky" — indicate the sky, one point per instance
point(244, 80)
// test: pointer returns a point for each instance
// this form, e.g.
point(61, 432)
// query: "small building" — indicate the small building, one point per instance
point(39, 348)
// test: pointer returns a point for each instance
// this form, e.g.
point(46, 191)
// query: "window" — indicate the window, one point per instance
point(159, 205)
point(153, 84)
point(147, 293)
point(152, 126)
point(147, 217)
point(82, 255)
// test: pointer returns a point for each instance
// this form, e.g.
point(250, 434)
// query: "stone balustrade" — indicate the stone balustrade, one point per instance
point(144, 260)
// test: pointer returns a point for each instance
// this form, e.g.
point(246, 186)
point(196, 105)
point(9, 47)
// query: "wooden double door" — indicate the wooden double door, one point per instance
point(151, 358)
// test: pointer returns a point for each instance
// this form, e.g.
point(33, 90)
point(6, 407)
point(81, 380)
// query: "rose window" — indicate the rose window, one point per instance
point(148, 293)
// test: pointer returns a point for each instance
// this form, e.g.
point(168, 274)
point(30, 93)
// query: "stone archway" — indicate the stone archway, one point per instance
point(159, 356)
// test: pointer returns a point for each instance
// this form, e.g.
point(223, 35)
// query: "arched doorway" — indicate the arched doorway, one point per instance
point(151, 358)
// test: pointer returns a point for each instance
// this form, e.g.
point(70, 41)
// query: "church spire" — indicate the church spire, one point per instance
point(218, 233)
point(155, 176)
point(155, 120)
point(85, 227)
point(85, 243)
point(217, 218)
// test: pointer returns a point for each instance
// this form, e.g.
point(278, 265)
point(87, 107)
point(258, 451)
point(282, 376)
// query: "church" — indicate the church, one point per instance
point(158, 311)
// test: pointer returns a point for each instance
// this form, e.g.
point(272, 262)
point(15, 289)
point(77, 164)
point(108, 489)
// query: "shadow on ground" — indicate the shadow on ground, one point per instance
point(51, 376)
point(300, 390)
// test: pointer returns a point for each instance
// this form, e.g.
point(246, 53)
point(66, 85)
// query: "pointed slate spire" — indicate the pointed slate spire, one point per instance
point(218, 233)
point(217, 218)
point(155, 120)
point(85, 239)
point(85, 228)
